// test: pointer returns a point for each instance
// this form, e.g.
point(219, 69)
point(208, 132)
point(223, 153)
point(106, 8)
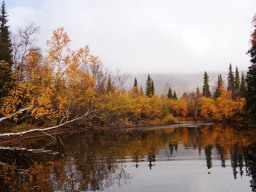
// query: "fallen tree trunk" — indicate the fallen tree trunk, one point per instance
point(29, 150)
point(11, 115)
point(44, 129)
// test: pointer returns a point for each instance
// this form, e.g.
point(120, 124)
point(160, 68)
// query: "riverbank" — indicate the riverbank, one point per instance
point(26, 130)
point(33, 131)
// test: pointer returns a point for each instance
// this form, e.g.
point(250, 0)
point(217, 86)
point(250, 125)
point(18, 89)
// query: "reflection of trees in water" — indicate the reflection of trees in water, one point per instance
point(172, 147)
point(94, 160)
point(208, 156)
point(250, 163)
point(102, 176)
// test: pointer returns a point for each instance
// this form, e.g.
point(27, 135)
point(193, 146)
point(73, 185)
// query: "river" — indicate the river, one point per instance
point(186, 158)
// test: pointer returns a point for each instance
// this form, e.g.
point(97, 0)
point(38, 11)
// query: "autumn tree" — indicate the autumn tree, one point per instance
point(135, 89)
point(178, 107)
point(206, 88)
point(23, 40)
point(60, 88)
point(197, 103)
point(141, 92)
point(224, 108)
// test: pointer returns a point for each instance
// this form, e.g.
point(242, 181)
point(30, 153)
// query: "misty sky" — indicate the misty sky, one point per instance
point(148, 36)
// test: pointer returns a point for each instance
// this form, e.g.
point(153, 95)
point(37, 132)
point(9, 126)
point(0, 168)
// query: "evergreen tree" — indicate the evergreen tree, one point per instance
point(243, 87)
point(206, 88)
point(5, 40)
point(231, 80)
point(174, 95)
point(135, 83)
point(5, 54)
point(152, 87)
point(109, 85)
point(148, 86)
point(208, 155)
point(237, 79)
point(219, 84)
point(169, 95)
point(251, 76)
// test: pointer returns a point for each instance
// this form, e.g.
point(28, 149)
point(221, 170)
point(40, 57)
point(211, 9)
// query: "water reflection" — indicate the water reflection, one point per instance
point(99, 160)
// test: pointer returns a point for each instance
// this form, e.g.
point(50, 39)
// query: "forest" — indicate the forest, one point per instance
point(62, 86)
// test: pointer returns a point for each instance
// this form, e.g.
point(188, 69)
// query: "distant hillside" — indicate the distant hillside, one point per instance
point(178, 82)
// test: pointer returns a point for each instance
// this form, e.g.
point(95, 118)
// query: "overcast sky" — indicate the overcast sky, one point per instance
point(148, 36)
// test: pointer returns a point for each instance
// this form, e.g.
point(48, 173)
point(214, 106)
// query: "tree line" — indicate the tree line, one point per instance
point(63, 85)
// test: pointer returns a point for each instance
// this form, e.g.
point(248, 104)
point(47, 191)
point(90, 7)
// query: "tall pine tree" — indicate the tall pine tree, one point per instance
point(251, 76)
point(5, 40)
point(231, 79)
point(169, 95)
point(135, 83)
point(150, 88)
point(5, 54)
point(174, 95)
point(206, 88)
point(237, 80)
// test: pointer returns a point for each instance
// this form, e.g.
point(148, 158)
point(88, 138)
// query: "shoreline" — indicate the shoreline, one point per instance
point(76, 128)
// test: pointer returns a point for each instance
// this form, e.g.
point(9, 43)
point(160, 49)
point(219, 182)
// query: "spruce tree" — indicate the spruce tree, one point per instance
point(231, 80)
point(219, 84)
point(251, 76)
point(237, 80)
point(174, 95)
point(149, 87)
point(206, 88)
point(152, 87)
point(169, 95)
point(5, 40)
point(135, 83)
point(243, 86)
point(5, 54)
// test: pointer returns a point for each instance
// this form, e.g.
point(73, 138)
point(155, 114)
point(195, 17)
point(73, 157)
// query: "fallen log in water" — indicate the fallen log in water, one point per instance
point(10, 136)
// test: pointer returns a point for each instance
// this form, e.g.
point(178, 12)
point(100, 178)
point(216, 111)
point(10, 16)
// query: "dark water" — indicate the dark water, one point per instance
point(186, 159)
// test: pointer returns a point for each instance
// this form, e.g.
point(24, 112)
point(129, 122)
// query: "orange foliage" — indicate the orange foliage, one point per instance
point(223, 108)
point(178, 107)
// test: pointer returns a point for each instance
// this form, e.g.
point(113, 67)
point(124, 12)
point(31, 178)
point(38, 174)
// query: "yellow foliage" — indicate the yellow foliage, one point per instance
point(223, 108)
point(179, 107)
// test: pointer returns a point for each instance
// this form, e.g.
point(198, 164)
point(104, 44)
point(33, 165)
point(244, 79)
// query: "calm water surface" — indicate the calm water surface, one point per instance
point(206, 158)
